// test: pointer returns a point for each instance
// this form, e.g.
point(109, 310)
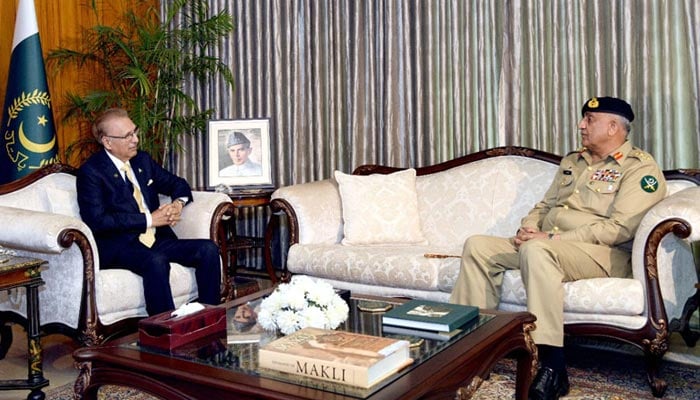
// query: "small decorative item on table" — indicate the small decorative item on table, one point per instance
point(168, 330)
point(374, 306)
point(302, 303)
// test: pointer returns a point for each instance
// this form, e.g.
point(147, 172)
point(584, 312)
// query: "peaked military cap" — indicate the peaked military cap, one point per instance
point(237, 138)
point(611, 105)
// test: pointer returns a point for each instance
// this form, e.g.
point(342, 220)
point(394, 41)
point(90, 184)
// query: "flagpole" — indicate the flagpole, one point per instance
point(28, 140)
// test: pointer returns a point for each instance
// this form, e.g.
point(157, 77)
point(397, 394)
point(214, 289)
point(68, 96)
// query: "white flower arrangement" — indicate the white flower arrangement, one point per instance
point(302, 303)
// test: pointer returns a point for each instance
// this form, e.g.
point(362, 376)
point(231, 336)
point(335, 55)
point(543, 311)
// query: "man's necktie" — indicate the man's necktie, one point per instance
point(148, 237)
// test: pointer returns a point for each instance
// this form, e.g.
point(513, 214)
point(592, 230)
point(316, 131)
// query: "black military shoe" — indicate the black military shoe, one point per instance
point(549, 384)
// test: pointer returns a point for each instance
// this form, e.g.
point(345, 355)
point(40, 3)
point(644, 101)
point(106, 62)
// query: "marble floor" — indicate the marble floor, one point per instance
point(59, 368)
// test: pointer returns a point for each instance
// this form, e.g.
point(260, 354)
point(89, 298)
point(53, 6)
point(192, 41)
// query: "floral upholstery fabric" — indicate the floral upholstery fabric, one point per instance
point(380, 209)
point(29, 225)
point(617, 296)
point(394, 266)
point(487, 197)
point(322, 216)
point(623, 321)
point(675, 261)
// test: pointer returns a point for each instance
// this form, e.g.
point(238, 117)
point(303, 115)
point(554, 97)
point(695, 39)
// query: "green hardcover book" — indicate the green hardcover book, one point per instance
point(430, 315)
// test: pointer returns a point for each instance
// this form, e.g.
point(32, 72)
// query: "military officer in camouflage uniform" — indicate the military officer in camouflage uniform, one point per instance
point(582, 228)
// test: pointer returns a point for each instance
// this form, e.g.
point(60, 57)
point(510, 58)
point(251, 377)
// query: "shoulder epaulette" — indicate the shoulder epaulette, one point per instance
point(641, 155)
point(577, 151)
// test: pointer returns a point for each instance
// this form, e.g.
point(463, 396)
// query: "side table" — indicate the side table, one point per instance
point(246, 201)
point(16, 272)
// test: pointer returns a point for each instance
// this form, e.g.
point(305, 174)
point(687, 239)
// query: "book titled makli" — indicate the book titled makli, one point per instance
point(338, 356)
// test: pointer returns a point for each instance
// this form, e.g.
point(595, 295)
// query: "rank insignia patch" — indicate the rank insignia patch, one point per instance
point(649, 184)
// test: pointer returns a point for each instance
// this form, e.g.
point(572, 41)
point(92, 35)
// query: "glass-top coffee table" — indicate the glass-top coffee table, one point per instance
point(215, 369)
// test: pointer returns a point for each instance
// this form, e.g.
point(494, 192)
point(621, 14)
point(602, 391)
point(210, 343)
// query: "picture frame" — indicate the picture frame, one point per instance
point(230, 162)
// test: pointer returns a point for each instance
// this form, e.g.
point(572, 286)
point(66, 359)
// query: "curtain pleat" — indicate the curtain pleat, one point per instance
point(411, 83)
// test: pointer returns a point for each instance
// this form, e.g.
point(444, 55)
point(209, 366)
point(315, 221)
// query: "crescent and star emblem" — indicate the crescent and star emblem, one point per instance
point(34, 147)
point(649, 184)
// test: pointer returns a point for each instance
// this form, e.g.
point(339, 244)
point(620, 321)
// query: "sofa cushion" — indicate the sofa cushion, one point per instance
point(114, 303)
point(380, 209)
point(61, 201)
point(393, 266)
point(614, 296)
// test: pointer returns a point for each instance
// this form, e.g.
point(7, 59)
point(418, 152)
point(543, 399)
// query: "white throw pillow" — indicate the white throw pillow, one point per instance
point(62, 202)
point(380, 209)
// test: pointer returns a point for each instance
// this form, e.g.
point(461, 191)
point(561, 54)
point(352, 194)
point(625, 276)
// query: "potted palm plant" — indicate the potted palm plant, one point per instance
point(141, 64)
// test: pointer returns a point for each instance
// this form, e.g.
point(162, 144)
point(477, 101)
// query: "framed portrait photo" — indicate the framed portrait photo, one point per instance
point(239, 152)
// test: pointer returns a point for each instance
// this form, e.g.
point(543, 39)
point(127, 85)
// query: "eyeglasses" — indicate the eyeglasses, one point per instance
point(128, 136)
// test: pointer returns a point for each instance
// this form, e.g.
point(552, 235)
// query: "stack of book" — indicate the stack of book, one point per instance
point(429, 319)
point(337, 356)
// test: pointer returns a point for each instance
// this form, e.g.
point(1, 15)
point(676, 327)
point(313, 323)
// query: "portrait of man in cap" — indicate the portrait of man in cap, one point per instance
point(239, 149)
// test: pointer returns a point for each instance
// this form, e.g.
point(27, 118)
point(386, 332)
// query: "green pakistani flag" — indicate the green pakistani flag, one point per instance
point(28, 134)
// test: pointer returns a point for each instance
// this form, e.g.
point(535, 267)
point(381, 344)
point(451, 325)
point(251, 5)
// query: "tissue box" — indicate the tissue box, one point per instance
point(165, 332)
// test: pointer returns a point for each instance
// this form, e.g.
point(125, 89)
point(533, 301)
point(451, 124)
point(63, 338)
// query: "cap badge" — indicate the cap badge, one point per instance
point(649, 184)
point(593, 103)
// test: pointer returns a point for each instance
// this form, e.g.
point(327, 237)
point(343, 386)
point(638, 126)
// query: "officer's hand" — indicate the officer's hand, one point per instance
point(525, 234)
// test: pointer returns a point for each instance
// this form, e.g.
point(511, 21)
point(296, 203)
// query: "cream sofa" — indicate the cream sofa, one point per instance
point(488, 193)
point(41, 219)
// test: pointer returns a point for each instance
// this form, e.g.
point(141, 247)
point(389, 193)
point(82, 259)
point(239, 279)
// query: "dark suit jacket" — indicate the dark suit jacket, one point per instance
point(107, 204)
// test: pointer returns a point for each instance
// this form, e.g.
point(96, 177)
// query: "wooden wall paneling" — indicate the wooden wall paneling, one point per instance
point(61, 24)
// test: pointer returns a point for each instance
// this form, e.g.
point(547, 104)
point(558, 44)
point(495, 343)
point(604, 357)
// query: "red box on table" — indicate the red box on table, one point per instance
point(166, 332)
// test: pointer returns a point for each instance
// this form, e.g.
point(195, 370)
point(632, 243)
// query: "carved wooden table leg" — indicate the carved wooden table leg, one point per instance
point(25, 272)
point(35, 377)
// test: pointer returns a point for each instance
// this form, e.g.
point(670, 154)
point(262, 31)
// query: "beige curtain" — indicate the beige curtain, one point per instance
point(416, 82)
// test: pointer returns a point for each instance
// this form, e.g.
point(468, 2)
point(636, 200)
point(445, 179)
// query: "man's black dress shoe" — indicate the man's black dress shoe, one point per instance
point(549, 384)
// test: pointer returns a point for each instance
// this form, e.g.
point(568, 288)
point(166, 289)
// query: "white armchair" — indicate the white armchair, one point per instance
point(41, 219)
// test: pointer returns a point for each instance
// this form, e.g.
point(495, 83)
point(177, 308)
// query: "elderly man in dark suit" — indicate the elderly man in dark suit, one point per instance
point(118, 190)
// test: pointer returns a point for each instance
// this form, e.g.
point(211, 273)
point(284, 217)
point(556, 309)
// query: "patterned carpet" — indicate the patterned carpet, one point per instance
point(602, 375)
point(594, 375)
